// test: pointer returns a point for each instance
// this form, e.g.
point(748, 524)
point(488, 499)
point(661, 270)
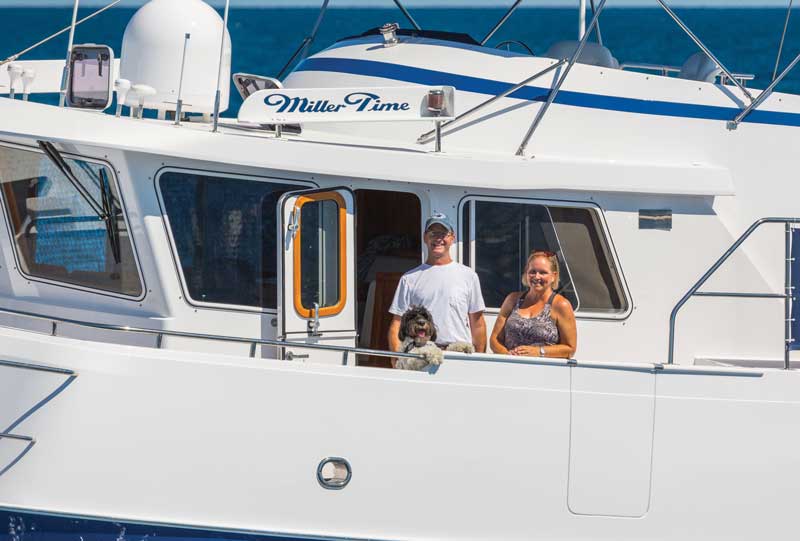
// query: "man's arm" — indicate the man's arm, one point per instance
point(478, 327)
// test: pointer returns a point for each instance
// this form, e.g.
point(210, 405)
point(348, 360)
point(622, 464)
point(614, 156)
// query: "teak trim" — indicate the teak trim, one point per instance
point(298, 303)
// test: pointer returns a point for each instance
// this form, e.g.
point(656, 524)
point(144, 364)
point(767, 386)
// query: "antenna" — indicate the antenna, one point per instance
point(219, 70)
point(179, 104)
point(65, 73)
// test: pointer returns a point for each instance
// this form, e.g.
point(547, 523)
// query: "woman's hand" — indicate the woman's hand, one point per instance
point(528, 351)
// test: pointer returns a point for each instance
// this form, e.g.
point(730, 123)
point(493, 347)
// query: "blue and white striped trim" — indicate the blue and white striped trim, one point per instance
point(490, 87)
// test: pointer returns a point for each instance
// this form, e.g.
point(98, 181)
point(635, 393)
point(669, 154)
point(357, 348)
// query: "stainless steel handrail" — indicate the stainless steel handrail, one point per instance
point(663, 68)
point(407, 15)
point(345, 350)
point(551, 96)
point(733, 124)
point(302, 49)
point(599, 34)
point(62, 31)
point(704, 48)
point(501, 22)
point(15, 437)
point(253, 342)
point(788, 287)
point(37, 367)
point(783, 38)
point(425, 137)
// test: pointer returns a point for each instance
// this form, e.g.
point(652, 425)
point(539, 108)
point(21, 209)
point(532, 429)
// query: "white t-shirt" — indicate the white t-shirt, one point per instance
point(450, 292)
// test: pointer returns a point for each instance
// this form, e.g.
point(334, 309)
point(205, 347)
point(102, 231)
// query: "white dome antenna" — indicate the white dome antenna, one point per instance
point(153, 50)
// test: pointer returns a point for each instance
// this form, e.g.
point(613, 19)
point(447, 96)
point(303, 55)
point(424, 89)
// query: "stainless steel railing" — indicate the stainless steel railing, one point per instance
point(346, 350)
point(161, 333)
point(786, 296)
point(37, 367)
point(425, 137)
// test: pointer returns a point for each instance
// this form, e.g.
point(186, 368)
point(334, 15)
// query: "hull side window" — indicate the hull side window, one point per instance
point(505, 232)
point(58, 231)
point(223, 229)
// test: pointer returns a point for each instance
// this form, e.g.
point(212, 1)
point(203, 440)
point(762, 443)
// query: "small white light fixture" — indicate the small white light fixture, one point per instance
point(121, 87)
point(436, 105)
point(389, 33)
point(14, 76)
point(28, 76)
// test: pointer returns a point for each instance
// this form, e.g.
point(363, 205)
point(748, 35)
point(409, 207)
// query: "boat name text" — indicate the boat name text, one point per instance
point(359, 101)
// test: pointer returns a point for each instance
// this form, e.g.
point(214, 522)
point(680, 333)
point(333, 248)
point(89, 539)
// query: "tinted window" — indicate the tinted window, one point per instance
point(66, 232)
point(507, 232)
point(319, 253)
point(224, 231)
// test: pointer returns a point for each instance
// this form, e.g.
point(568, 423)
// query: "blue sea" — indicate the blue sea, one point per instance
point(745, 39)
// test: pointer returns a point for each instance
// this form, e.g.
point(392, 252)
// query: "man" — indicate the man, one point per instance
point(449, 290)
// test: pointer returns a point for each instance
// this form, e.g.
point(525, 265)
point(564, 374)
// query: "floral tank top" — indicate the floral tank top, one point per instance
point(539, 330)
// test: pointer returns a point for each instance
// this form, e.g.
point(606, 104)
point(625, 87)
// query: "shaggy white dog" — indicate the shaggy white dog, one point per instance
point(418, 334)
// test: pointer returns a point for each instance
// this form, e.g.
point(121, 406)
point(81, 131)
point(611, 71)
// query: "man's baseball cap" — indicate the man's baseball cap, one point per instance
point(441, 219)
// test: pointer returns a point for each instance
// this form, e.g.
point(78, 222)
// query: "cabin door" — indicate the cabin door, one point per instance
point(316, 252)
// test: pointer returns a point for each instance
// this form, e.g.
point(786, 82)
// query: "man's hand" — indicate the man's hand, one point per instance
point(477, 326)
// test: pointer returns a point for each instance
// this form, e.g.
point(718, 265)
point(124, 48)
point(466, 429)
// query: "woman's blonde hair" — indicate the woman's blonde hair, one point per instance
point(554, 267)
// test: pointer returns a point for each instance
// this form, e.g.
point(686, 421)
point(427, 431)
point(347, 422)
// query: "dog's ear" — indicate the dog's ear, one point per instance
point(402, 334)
point(433, 331)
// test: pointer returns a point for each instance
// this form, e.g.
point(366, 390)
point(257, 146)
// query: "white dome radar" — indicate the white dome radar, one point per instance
point(153, 55)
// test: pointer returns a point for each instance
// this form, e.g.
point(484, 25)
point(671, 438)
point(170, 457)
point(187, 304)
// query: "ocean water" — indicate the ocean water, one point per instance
point(745, 40)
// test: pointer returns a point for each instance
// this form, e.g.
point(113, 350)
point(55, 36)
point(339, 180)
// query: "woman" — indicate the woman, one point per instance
point(536, 322)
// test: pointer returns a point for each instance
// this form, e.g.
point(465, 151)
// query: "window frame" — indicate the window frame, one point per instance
point(173, 247)
point(333, 309)
point(113, 177)
point(469, 236)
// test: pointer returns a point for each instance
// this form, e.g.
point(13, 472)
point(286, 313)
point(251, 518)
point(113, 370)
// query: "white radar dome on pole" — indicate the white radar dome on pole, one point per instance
point(152, 55)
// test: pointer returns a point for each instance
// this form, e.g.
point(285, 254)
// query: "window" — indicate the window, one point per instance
point(67, 220)
point(319, 272)
point(505, 232)
point(224, 230)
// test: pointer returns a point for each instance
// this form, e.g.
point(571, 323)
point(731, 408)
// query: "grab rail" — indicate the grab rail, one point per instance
point(37, 367)
point(786, 296)
point(345, 350)
point(161, 333)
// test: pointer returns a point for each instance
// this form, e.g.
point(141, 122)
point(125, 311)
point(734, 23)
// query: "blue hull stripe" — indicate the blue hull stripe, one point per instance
point(491, 87)
point(39, 527)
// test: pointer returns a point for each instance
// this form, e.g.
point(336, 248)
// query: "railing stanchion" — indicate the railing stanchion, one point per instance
point(787, 301)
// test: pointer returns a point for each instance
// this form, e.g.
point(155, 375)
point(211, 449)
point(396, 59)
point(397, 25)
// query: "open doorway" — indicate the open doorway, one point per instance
point(388, 243)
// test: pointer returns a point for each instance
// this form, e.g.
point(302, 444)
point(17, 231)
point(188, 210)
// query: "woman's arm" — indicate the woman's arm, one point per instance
point(495, 340)
point(567, 330)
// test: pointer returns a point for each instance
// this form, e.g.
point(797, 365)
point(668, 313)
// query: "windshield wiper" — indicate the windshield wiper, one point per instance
point(104, 210)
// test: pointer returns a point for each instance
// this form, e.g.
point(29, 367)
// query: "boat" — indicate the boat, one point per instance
point(193, 307)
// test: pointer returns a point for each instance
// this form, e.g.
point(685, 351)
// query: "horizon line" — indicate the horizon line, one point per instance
point(416, 4)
